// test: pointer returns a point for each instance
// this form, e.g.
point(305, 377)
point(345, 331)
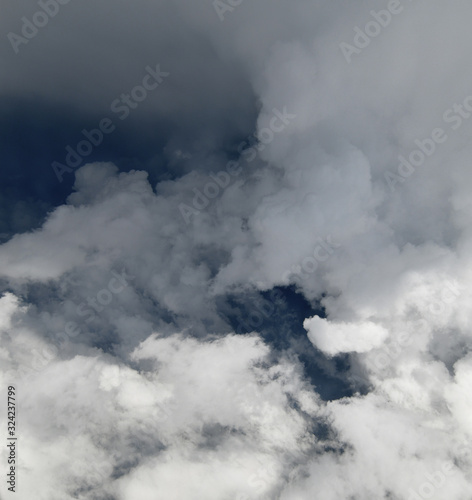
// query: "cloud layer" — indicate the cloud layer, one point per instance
point(292, 168)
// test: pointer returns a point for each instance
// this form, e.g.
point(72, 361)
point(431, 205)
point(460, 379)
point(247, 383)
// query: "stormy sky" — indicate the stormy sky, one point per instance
point(235, 249)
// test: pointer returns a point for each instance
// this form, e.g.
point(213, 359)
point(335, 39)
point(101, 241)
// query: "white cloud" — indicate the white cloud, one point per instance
point(215, 410)
point(119, 410)
point(336, 338)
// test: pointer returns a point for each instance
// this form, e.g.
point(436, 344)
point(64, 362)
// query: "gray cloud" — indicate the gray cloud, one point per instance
point(111, 319)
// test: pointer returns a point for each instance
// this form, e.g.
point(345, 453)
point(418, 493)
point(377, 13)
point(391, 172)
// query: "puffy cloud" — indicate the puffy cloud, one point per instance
point(111, 409)
point(220, 410)
point(335, 338)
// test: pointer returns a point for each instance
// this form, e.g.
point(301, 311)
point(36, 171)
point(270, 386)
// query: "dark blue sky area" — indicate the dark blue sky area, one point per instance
point(35, 133)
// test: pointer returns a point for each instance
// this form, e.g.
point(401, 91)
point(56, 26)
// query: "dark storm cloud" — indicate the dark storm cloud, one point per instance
point(76, 71)
point(90, 54)
point(164, 319)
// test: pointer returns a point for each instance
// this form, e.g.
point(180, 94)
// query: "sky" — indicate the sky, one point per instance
point(235, 250)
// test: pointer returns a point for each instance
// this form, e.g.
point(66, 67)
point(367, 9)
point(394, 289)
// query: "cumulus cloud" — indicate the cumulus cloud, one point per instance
point(335, 338)
point(220, 410)
point(293, 170)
